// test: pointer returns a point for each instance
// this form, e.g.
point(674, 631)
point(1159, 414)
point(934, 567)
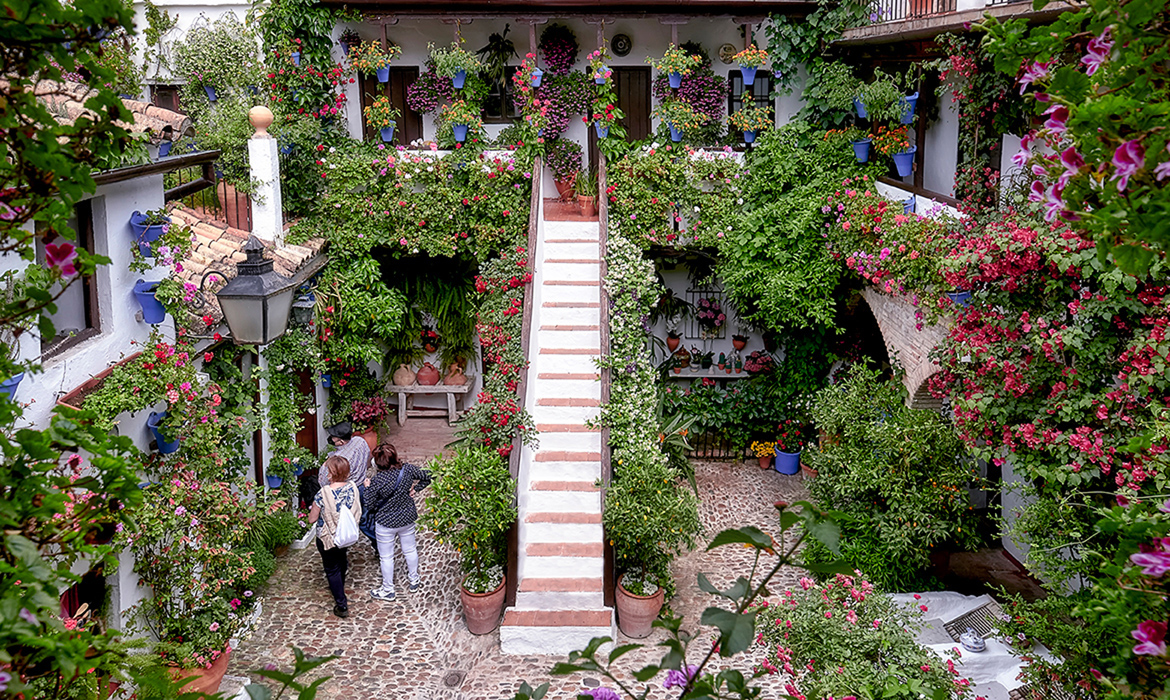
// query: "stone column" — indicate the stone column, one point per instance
point(264, 162)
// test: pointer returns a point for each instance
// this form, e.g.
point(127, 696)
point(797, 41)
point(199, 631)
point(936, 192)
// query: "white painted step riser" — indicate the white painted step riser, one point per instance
point(567, 316)
point(556, 567)
point(571, 229)
point(564, 414)
point(566, 389)
point(569, 339)
point(559, 532)
point(570, 251)
point(571, 442)
point(569, 292)
point(564, 364)
point(564, 471)
point(559, 641)
point(570, 271)
point(562, 501)
point(559, 600)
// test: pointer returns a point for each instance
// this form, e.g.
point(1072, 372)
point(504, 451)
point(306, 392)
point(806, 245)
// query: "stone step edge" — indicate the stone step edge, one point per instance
point(587, 376)
point(558, 618)
point(571, 304)
point(564, 456)
point(572, 283)
point(570, 351)
point(580, 403)
point(564, 518)
point(583, 486)
point(573, 261)
point(565, 428)
point(533, 584)
point(564, 549)
point(572, 240)
point(570, 328)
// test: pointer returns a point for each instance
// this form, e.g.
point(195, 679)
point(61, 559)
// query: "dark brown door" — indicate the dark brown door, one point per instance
point(633, 91)
point(307, 435)
point(410, 123)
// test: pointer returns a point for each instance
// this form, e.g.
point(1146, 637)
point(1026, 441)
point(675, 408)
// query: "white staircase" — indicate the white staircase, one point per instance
point(559, 600)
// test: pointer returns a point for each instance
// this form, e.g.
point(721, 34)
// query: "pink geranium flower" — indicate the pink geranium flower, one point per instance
point(1127, 160)
point(1034, 72)
point(1153, 564)
point(1152, 638)
point(1163, 170)
point(1099, 50)
point(1057, 116)
point(61, 256)
point(1072, 162)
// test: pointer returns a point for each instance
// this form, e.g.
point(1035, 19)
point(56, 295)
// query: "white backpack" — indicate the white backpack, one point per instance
point(347, 528)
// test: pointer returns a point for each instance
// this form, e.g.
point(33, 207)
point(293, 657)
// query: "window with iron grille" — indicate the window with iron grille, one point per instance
point(499, 107)
point(761, 92)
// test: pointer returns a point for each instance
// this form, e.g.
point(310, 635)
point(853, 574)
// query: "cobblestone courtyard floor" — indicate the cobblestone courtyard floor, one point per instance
point(418, 647)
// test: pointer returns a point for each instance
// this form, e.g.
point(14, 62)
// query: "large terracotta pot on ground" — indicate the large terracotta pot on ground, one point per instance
point(370, 436)
point(482, 610)
point(564, 187)
point(203, 680)
point(636, 613)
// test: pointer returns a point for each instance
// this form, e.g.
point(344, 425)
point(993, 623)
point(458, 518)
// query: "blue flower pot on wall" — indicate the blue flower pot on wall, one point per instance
point(675, 134)
point(960, 298)
point(298, 469)
point(145, 234)
point(164, 446)
point(383, 74)
point(908, 104)
point(344, 48)
point(675, 78)
point(537, 77)
point(274, 482)
point(861, 149)
point(152, 309)
point(749, 136)
point(602, 130)
point(787, 462)
point(860, 107)
point(326, 380)
point(460, 132)
point(904, 161)
point(210, 91)
point(749, 75)
point(599, 76)
point(296, 57)
point(164, 148)
point(8, 386)
point(909, 205)
point(459, 79)
point(387, 133)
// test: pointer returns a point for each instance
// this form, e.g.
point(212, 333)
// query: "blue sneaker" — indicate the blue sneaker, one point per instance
point(415, 585)
point(382, 594)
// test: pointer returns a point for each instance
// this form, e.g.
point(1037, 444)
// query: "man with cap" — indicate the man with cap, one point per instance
point(358, 453)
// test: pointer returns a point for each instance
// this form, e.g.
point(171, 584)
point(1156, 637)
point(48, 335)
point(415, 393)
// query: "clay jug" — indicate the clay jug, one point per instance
point(403, 376)
point(455, 375)
point(672, 341)
point(428, 375)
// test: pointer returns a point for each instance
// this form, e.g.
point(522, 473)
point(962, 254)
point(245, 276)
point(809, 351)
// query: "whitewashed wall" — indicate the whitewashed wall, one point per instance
point(189, 15)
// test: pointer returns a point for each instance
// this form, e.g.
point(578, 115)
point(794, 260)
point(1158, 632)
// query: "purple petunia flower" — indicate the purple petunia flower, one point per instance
point(604, 693)
point(676, 679)
point(1034, 72)
point(1127, 160)
point(1152, 636)
point(1099, 50)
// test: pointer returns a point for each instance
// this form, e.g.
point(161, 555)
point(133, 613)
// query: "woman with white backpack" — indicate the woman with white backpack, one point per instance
point(336, 511)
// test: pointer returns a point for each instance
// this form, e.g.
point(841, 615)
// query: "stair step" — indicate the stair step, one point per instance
point(571, 442)
point(572, 261)
point(566, 471)
point(558, 456)
point(589, 568)
point(570, 351)
point(566, 292)
point(565, 414)
point(565, 428)
point(569, 376)
point(563, 486)
point(564, 549)
point(558, 618)
point(563, 585)
point(570, 327)
point(565, 401)
point(572, 304)
point(566, 518)
point(573, 283)
point(559, 600)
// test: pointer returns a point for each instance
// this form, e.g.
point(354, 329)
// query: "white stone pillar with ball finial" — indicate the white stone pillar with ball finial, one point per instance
point(264, 161)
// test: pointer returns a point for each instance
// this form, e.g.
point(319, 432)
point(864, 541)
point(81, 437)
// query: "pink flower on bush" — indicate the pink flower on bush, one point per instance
point(60, 256)
point(1152, 638)
point(214, 626)
point(1034, 72)
point(1057, 116)
point(1098, 52)
point(1127, 160)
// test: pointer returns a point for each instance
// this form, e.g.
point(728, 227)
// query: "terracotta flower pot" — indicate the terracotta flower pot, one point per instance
point(370, 436)
point(765, 462)
point(588, 205)
point(403, 376)
point(565, 187)
point(482, 610)
point(203, 680)
point(672, 342)
point(455, 375)
point(808, 472)
point(738, 344)
point(428, 375)
point(636, 613)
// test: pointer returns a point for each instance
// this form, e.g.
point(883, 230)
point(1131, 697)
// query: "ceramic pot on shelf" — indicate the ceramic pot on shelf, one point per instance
point(738, 344)
point(455, 375)
point(403, 376)
point(672, 341)
point(427, 375)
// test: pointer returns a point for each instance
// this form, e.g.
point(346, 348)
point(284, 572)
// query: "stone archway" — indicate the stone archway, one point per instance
point(907, 345)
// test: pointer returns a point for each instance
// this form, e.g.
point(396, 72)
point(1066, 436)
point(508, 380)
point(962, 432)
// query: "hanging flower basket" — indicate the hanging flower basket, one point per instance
point(8, 386)
point(459, 79)
point(210, 91)
point(904, 161)
point(908, 104)
point(274, 481)
point(537, 77)
point(326, 380)
point(909, 205)
point(296, 58)
point(460, 132)
point(164, 446)
point(860, 107)
point(749, 75)
point(601, 74)
point(146, 233)
point(675, 79)
point(602, 129)
point(675, 134)
point(152, 309)
point(861, 149)
point(383, 74)
point(387, 133)
point(749, 136)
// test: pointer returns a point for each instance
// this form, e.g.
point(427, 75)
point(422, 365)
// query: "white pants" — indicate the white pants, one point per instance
point(386, 537)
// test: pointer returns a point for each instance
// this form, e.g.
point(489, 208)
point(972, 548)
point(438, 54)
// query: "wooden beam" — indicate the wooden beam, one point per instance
point(164, 165)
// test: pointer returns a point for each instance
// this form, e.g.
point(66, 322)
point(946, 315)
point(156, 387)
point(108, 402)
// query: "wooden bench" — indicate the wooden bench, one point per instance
point(450, 390)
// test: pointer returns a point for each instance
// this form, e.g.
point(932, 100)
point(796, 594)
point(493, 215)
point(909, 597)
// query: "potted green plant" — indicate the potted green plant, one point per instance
point(600, 72)
point(676, 63)
point(605, 114)
point(789, 444)
point(882, 98)
point(476, 527)
point(370, 57)
point(455, 63)
point(750, 60)
point(367, 416)
point(148, 227)
point(751, 120)
point(649, 520)
point(563, 158)
point(586, 186)
point(463, 117)
point(381, 115)
point(349, 38)
point(680, 117)
point(895, 143)
point(861, 142)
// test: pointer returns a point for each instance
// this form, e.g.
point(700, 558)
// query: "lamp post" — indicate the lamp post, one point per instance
point(257, 301)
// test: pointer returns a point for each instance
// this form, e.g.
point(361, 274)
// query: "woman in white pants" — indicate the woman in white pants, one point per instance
point(390, 498)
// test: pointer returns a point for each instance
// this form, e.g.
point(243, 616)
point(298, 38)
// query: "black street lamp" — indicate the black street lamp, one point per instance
point(257, 301)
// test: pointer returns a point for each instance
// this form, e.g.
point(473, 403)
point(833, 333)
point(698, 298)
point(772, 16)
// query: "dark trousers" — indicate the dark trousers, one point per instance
point(335, 562)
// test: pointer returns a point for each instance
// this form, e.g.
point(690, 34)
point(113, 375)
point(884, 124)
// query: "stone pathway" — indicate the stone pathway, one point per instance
point(418, 648)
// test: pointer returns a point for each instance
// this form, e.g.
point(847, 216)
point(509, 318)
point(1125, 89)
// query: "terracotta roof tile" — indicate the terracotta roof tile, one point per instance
point(67, 99)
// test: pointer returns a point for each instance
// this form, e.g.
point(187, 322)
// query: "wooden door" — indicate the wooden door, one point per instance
point(410, 123)
point(633, 91)
point(307, 435)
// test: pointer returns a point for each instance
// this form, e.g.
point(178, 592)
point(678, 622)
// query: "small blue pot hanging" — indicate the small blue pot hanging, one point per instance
point(298, 469)
point(164, 446)
point(602, 130)
point(960, 298)
point(908, 104)
point(152, 309)
point(599, 76)
point(459, 79)
point(460, 132)
point(326, 380)
point(860, 107)
point(210, 91)
point(749, 75)
point(8, 386)
point(675, 134)
point(296, 57)
point(861, 149)
point(274, 482)
point(164, 148)
point(675, 78)
point(749, 136)
point(383, 74)
point(909, 204)
point(387, 133)
point(904, 161)
point(537, 77)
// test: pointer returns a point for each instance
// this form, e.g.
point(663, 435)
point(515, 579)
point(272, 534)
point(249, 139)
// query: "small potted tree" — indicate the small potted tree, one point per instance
point(381, 115)
point(475, 527)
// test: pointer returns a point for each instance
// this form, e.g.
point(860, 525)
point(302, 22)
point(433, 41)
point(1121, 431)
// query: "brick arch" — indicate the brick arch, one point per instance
point(906, 345)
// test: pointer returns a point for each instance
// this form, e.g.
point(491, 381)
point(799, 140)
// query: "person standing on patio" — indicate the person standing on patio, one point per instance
point(358, 453)
point(392, 502)
point(327, 504)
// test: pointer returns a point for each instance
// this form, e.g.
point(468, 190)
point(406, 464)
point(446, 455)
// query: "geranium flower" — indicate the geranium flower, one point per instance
point(1057, 116)
point(1153, 564)
point(1072, 162)
point(1034, 72)
point(1163, 170)
point(60, 256)
point(1127, 160)
point(1152, 638)
point(1099, 50)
